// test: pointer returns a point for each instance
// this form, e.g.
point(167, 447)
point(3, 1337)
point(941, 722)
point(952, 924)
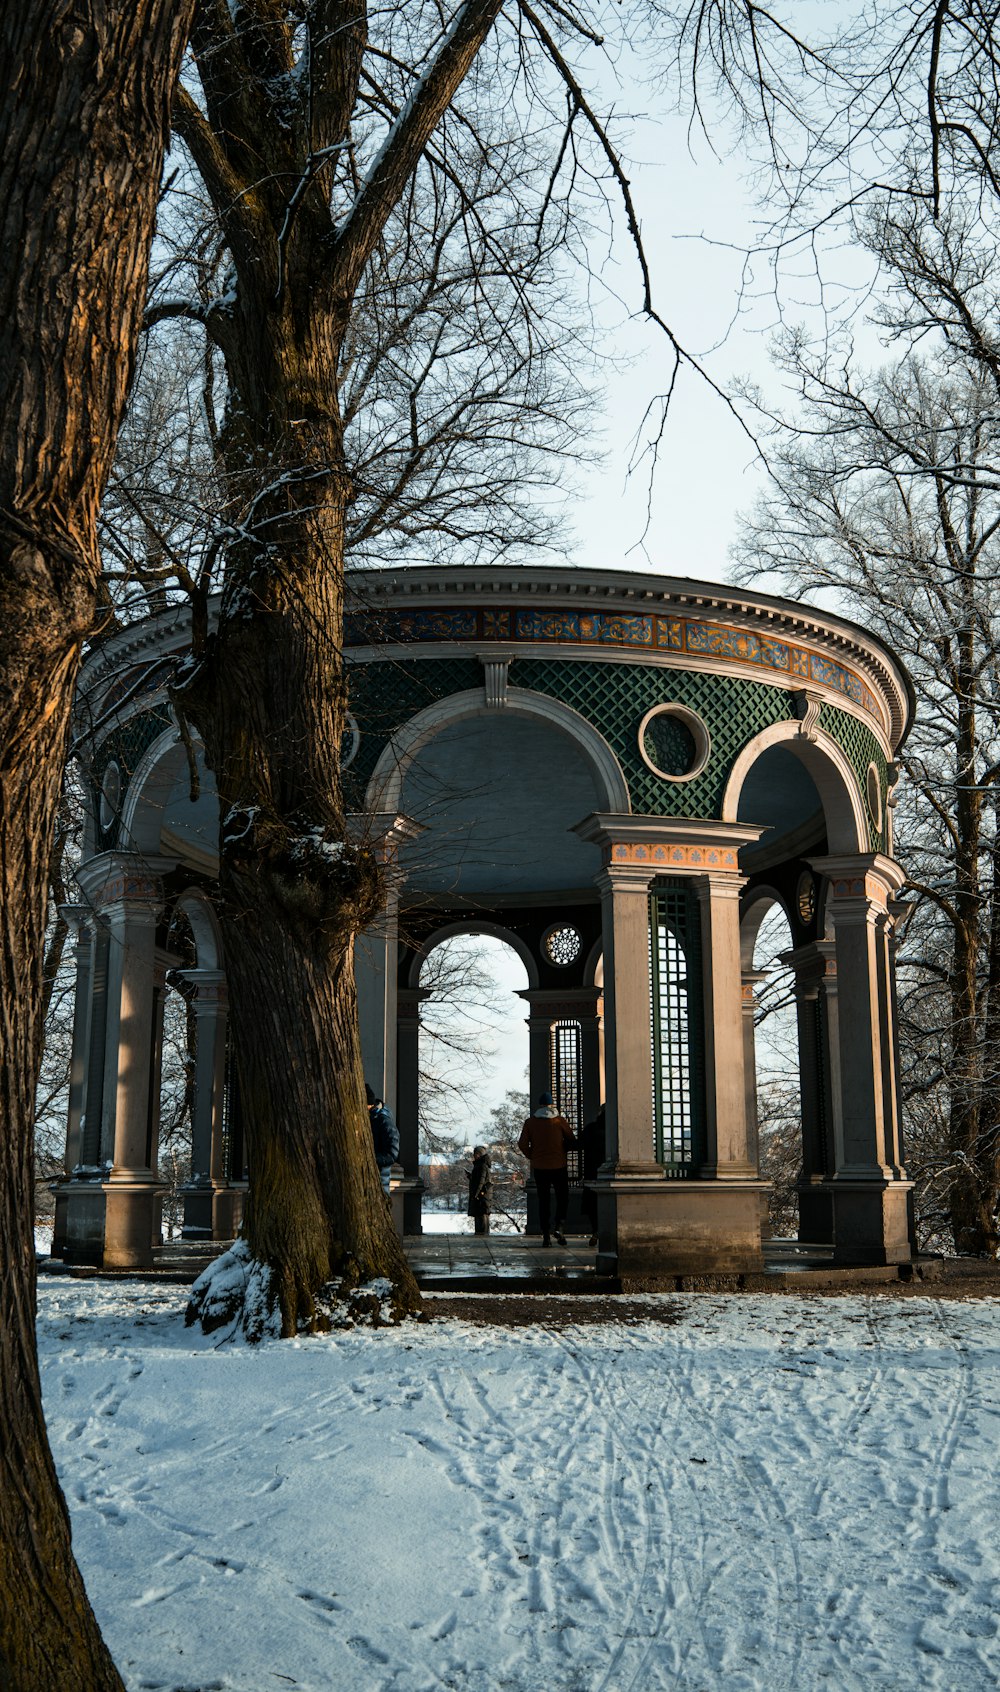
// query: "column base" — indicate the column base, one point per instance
point(131, 1220)
point(80, 1207)
point(871, 1221)
point(404, 1197)
point(648, 1229)
point(212, 1211)
point(412, 1189)
point(815, 1212)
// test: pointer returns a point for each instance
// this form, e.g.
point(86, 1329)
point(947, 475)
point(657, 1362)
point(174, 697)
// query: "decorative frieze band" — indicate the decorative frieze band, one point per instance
point(646, 632)
point(673, 857)
point(859, 887)
point(137, 889)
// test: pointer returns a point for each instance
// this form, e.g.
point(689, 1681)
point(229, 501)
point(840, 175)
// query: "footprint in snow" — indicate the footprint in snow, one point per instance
point(321, 1602)
point(368, 1652)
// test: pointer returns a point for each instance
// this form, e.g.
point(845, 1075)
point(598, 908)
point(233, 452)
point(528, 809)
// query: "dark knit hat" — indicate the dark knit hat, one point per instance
point(545, 1098)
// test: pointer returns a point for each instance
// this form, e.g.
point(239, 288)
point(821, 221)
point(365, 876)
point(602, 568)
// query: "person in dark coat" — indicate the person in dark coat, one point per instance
point(592, 1154)
point(480, 1178)
point(545, 1139)
point(385, 1136)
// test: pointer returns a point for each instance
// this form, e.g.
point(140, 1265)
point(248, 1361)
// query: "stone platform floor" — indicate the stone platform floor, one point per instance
point(497, 1263)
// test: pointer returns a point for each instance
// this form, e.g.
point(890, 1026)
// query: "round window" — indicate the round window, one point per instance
point(874, 791)
point(673, 742)
point(350, 741)
point(561, 944)
point(111, 794)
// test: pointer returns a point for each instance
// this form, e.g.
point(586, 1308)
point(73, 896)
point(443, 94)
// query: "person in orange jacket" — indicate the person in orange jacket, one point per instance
point(545, 1139)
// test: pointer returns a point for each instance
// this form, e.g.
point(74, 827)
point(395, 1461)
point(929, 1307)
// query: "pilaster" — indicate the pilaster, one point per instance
point(207, 1214)
point(871, 1205)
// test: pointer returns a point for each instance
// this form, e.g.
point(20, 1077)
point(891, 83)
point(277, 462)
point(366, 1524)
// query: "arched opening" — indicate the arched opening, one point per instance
point(165, 814)
point(497, 797)
point(772, 1059)
point(802, 789)
point(471, 1074)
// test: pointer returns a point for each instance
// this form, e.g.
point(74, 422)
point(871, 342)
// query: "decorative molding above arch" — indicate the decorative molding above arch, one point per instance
point(386, 784)
point(843, 806)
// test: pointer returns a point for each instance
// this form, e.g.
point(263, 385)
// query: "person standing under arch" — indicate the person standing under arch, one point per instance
point(545, 1140)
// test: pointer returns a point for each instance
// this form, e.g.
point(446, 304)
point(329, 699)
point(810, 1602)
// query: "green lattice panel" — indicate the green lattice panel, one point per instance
point(616, 697)
point(126, 746)
point(384, 695)
point(863, 750)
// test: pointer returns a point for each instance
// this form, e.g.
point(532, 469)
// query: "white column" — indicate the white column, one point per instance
point(376, 955)
point(131, 902)
point(628, 1057)
point(132, 962)
point(727, 1132)
point(80, 920)
point(748, 989)
point(408, 1005)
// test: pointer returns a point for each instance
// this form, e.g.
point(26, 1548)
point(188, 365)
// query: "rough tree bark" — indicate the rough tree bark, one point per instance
point(82, 133)
point(267, 689)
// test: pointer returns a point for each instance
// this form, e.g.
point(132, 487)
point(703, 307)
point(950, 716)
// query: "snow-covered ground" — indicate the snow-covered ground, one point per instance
point(436, 1221)
point(769, 1493)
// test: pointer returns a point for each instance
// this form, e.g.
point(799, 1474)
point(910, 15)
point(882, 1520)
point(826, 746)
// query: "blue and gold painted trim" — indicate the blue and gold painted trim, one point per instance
point(645, 632)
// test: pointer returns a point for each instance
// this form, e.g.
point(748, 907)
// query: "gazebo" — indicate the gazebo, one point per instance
point(618, 775)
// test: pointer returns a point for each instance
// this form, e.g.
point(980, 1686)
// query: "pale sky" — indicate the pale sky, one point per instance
point(697, 215)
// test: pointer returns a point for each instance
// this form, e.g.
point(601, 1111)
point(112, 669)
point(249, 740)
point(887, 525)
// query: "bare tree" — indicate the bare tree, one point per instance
point(82, 131)
point(344, 175)
point(885, 495)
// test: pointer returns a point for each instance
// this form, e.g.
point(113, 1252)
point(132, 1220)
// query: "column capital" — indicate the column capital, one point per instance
point(667, 845)
point(813, 964)
point(207, 989)
point(115, 877)
point(869, 876)
point(77, 917)
point(555, 1004)
point(409, 1001)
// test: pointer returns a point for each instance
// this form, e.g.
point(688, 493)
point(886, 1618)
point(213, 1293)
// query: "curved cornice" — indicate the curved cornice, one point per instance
point(782, 642)
point(716, 627)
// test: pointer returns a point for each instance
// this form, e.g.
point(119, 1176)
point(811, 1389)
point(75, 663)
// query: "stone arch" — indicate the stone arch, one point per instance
point(162, 766)
point(593, 969)
point(386, 783)
point(759, 900)
point(831, 771)
point(475, 925)
point(200, 912)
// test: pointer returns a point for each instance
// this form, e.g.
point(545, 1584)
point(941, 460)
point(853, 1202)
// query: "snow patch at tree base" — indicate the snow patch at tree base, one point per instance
point(239, 1292)
point(236, 1291)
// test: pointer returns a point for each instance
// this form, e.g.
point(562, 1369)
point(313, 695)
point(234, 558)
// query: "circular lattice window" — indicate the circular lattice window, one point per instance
point(350, 741)
point(874, 791)
point(673, 742)
point(561, 944)
point(111, 796)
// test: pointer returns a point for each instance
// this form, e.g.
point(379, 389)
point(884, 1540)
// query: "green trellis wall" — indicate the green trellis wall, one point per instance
point(614, 698)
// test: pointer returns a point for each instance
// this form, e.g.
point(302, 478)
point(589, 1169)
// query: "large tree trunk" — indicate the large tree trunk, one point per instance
point(268, 697)
point(268, 689)
point(82, 132)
